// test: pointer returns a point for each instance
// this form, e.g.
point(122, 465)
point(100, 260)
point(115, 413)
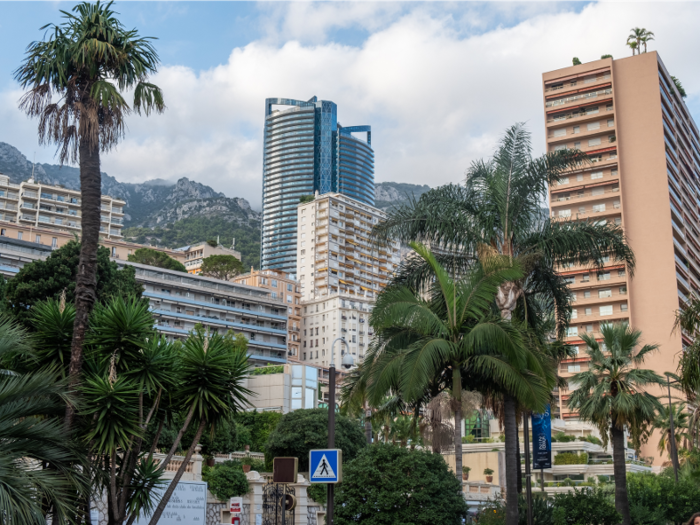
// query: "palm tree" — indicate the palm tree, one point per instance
point(42, 473)
point(612, 395)
point(647, 37)
point(421, 337)
point(75, 80)
point(498, 212)
point(633, 45)
point(662, 422)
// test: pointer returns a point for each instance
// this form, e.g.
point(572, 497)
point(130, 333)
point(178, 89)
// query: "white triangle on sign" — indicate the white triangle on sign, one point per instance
point(324, 469)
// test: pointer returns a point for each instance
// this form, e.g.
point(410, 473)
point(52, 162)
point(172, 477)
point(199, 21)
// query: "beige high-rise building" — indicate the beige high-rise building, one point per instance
point(340, 271)
point(629, 117)
point(40, 205)
point(283, 287)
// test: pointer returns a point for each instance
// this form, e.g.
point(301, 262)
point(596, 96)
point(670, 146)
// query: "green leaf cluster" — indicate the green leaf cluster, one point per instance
point(221, 266)
point(658, 499)
point(300, 431)
point(255, 428)
point(156, 258)
point(571, 458)
point(267, 370)
point(390, 485)
point(589, 506)
point(41, 280)
point(226, 480)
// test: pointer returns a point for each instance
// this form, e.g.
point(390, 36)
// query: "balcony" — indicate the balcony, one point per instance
point(581, 97)
point(30, 194)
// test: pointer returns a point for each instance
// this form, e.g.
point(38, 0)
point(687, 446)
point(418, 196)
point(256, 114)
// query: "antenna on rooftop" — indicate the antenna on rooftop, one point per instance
point(31, 180)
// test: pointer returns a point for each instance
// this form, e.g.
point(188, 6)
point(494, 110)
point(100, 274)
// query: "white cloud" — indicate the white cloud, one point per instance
point(436, 99)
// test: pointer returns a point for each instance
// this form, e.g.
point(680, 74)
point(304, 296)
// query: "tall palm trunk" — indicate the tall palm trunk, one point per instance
point(620, 471)
point(518, 458)
point(512, 463)
point(457, 409)
point(86, 283)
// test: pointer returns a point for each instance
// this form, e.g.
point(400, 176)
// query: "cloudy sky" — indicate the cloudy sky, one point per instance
point(438, 82)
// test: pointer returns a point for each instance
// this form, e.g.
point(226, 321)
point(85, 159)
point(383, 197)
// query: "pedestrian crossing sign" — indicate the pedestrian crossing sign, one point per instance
point(325, 466)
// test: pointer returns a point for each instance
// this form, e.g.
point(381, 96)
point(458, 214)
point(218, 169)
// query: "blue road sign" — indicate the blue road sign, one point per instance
point(326, 465)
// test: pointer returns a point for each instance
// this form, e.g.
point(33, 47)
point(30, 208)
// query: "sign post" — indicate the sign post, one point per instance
point(326, 466)
point(236, 507)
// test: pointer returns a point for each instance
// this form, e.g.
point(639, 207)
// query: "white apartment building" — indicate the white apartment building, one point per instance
point(340, 272)
point(37, 205)
point(196, 253)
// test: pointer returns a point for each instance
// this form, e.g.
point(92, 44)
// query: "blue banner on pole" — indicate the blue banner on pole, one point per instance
point(542, 439)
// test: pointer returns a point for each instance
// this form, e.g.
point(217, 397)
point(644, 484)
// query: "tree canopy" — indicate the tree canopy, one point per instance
point(41, 280)
point(222, 267)
point(156, 258)
point(300, 431)
point(390, 485)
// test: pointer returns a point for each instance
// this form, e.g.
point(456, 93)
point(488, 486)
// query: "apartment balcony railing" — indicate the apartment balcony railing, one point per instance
point(30, 194)
point(580, 96)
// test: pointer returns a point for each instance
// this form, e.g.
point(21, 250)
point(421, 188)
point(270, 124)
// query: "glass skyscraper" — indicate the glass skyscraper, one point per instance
point(307, 150)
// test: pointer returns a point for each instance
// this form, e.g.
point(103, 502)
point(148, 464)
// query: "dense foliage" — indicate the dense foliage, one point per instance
point(195, 229)
point(226, 480)
point(304, 430)
point(659, 500)
point(41, 280)
point(267, 370)
point(221, 266)
point(585, 507)
point(571, 458)
point(255, 428)
point(390, 485)
point(156, 258)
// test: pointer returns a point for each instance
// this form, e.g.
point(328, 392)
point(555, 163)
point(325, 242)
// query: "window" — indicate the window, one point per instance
point(623, 307)
point(564, 180)
point(586, 277)
point(570, 280)
point(263, 280)
point(604, 276)
point(574, 368)
point(589, 79)
point(623, 290)
point(597, 191)
point(611, 123)
point(3, 231)
point(606, 310)
point(571, 331)
point(573, 297)
point(574, 350)
point(608, 107)
point(574, 313)
point(589, 328)
point(564, 213)
point(596, 175)
point(304, 358)
point(621, 273)
point(560, 132)
point(579, 178)
point(597, 208)
point(114, 251)
point(587, 294)
point(19, 235)
point(577, 145)
point(589, 311)
point(613, 173)
point(605, 293)
point(37, 239)
point(577, 129)
point(594, 142)
point(582, 209)
point(593, 125)
point(290, 288)
point(273, 283)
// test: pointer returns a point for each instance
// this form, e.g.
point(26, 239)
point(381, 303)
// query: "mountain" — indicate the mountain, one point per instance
point(388, 194)
point(163, 213)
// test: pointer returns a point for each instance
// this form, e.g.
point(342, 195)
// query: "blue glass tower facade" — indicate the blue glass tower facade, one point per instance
point(305, 151)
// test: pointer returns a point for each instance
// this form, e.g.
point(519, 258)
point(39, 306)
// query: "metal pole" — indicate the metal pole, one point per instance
point(674, 451)
point(528, 475)
point(368, 425)
point(542, 478)
point(331, 424)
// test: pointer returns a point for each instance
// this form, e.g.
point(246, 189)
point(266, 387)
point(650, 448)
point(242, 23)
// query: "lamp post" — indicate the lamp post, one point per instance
point(528, 474)
point(674, 450)
point(331, 421)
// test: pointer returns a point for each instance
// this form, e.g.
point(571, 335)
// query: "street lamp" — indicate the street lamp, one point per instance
point(347, 361)
point(674, 450)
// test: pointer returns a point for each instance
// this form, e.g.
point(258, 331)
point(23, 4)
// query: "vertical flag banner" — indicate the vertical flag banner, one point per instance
point(542, 439)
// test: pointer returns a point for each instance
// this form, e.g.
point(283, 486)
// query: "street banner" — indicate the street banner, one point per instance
point(542, 439)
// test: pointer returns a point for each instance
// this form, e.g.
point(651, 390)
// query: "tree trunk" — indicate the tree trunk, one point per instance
point(518, 458)
point(171, 488)
point(620, 472)
point(512, 463)
point(457, 409)
point(86, 283)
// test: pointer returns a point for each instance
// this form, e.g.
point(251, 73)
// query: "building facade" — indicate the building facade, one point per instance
point(195, 254)
point(281, 286)
point(34, 204)
point(629, 117)
point(180, 301)
point(340, 271)
point(307, 150)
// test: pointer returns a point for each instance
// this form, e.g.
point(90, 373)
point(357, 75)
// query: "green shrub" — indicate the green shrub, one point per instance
point(318, 493)
point(571, 458)
point(469, 438)
point(257, 427)
point(226, 480)
point(584, 507)
point(386, 484)
point(658, 499)
point(267, 370)
point(560, 437)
